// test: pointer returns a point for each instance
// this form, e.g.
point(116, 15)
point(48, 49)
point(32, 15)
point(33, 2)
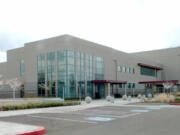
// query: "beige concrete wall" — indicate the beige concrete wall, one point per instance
point(3, 69)
point(29, 53)
point(169, 58)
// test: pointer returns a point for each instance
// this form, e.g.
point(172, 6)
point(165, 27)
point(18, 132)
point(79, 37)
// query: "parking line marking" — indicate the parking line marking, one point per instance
point(129, 115)
point(114, 116)
point(105, 111)
point(53, 118)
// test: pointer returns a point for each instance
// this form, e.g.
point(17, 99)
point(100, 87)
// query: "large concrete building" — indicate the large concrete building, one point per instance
point(71, 67)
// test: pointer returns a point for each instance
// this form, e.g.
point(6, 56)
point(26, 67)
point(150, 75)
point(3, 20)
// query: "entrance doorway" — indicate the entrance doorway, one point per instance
point(99, 91)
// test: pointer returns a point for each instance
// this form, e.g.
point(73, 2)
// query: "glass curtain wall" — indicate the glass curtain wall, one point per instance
point(89, 75)
point(51, 74)
point(99, 75)
point(80, 75)
point(66, 74)
point(41, 74)
point(62, 70)
point(71, 86)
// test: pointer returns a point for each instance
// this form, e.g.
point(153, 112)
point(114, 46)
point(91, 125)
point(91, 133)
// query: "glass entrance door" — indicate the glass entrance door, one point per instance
point(100, 89)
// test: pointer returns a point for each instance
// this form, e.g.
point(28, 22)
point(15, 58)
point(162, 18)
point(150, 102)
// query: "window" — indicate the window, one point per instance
point(133, 71)
point(99, 68)
point(22, 68)
point(80, 74)
point(128, 69)
point(66, 74)
point(51, 73)
point(124, 69)
point(129, 85)
point(148, 71)
point(133, 85)
point(119, 69)
point(41, 74)
point(89, 75)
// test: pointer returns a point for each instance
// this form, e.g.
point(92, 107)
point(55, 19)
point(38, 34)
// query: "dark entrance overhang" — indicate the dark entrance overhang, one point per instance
point(109, 81)
point(159, 82)
point(150, 66)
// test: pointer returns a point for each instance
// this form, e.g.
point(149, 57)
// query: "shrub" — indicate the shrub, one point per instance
point(139, 96)
point(165, 98)
point(38, 105)
point(124, 97)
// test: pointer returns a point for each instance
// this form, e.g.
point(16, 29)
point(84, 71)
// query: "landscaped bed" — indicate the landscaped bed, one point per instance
point(35, 104)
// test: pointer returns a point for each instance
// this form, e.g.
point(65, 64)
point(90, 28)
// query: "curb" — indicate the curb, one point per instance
point(174, 104)
point(40, 131)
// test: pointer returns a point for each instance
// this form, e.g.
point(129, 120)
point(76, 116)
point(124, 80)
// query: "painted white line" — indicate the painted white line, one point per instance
point(104, 111)
point(53, 118)
point(103, 115)
point(129, 115)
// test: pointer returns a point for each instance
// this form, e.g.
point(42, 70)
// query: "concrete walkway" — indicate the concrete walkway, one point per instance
point(7, 128)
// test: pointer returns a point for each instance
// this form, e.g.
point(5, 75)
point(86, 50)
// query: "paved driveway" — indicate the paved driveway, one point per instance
point(107, 120)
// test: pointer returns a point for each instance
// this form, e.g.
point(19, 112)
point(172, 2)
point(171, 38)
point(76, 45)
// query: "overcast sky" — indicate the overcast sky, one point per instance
point(126, 25)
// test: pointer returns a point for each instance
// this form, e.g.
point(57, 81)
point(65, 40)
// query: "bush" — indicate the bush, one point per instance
point(139, 96)
point(38, 105)
point(124, 97)
point(165, 98)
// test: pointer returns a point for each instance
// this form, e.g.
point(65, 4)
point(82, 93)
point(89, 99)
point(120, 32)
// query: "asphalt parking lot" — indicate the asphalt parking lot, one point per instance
point(135, 119)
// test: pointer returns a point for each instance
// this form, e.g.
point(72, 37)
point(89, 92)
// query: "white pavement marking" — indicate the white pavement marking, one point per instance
point(103, 115)
point(129, 115)
point(142, 111)
point(53, 118)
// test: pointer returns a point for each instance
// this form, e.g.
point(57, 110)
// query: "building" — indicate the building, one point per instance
point(71, 67)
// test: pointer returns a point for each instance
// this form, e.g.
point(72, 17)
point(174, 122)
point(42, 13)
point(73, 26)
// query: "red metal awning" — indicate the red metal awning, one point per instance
point(149, 66)
point(159, 82)
point(109, 81)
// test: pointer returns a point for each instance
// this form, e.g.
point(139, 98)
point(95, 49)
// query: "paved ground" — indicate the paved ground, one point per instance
point(111, 119)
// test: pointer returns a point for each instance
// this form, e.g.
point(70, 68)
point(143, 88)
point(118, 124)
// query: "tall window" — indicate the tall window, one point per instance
point(99, 75)
point(80, 74)
point(89, 75)
point(124, 69)
point(41, 74)
point(99, 68)
point(66, 74)
point(119, 69)
point(71, 89)
point(22, 68)
point(51, 74)
point(148, 71)
point(62, 73)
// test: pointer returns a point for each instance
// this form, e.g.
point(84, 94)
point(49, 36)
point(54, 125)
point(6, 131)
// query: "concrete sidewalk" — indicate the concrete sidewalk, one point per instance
point(7, 128)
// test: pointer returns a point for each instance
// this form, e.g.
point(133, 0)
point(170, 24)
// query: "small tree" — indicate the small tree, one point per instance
point(15, 84)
